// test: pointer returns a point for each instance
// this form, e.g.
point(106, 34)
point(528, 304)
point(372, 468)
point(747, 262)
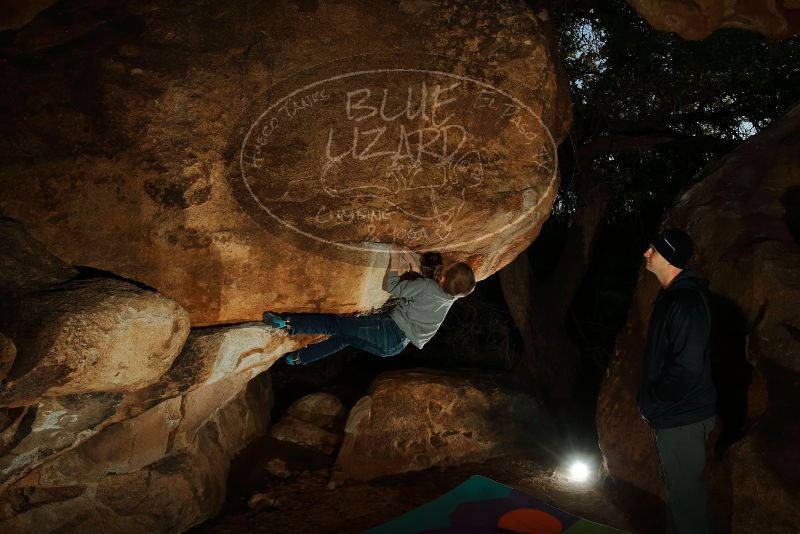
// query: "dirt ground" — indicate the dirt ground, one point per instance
point(308, 504)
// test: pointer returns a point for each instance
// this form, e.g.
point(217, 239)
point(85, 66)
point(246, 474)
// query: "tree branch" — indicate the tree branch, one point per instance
point(619, 143)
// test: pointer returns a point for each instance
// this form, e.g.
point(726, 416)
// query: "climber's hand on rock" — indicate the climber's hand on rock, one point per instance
point(413, 263)
point(398, 249)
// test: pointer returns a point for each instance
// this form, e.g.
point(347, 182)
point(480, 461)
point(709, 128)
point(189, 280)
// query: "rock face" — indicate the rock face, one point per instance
point(162, 471)
point(321, 409)
point(304, 434)
point(306, 437)
point(8, 353)
point(226, 160)
point(199, 151)
point(696, 19)
point(152, 459)
point(53, 425)
point(91, 335)
point(744, 215)
point(313, 422)
point(25, 264)
point(414, 420)
point(17, 14)
point(110, 415)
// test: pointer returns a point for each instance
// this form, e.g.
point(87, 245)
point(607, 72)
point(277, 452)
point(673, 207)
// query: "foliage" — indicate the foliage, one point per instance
point(651, 109)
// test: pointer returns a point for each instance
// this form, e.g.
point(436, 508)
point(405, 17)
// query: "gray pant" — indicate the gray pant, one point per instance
point(682, 451)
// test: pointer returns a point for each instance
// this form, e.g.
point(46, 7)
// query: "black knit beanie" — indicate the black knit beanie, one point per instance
point(675, 246)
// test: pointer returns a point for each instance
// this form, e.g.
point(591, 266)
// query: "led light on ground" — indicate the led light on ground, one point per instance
point(578, 471)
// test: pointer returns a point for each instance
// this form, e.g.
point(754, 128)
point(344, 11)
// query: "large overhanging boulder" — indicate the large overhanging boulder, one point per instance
point(744, 214)
point(697, 19)
point(241, 159)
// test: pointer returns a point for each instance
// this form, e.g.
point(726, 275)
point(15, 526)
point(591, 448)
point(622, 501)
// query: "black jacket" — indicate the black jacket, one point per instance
point(677, 388)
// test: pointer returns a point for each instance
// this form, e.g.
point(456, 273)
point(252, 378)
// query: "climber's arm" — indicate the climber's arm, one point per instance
point(394, 258)
point(392, 282)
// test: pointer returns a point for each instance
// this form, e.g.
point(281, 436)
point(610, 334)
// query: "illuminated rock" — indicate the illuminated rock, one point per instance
point(151, 151)
point(91, 335)
point(39, 430)
point(162, 471)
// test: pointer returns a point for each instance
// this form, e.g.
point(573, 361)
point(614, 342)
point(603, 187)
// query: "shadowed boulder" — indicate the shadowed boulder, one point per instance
point(413, 420)
point(697, 19)
point(25, 264)
point(321, 409)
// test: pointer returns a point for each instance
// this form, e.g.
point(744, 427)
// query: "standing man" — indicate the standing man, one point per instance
point(677, 397)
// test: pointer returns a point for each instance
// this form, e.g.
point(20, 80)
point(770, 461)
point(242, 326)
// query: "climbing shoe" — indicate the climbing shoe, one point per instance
point(275, 321)
point(293, 358)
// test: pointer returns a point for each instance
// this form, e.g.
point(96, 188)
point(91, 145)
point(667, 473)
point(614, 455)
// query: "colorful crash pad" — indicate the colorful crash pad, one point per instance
point(482, 506)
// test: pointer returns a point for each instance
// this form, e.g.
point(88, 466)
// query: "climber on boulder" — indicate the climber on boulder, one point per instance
point(422, 304)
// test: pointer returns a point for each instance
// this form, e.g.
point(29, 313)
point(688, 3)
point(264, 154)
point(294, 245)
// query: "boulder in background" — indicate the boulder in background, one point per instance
point(417, 419)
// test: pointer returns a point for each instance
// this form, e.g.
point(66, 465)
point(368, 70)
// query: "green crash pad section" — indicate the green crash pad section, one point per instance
point(477, 506)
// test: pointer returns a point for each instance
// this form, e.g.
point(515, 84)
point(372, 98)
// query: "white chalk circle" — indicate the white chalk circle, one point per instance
point(397, 154)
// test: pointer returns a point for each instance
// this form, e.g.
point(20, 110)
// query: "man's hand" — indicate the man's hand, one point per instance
point(412, 261)
point(397, 252)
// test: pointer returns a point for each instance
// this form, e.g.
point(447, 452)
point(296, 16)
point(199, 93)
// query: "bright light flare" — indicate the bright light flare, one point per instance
point(578, 471)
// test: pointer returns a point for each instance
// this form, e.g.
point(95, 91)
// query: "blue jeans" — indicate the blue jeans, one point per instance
point(377, 334)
